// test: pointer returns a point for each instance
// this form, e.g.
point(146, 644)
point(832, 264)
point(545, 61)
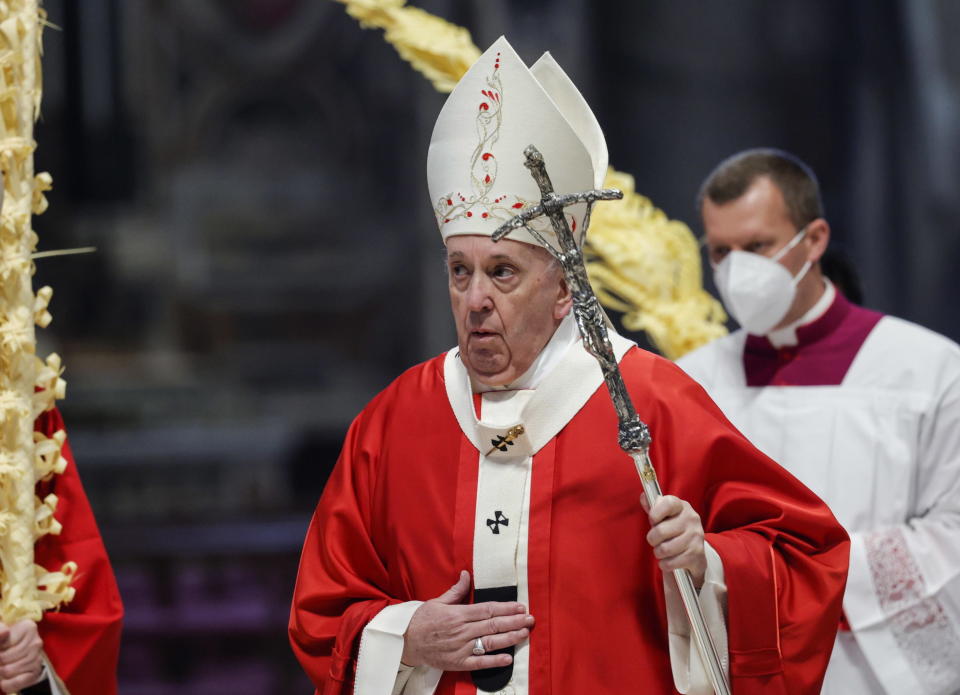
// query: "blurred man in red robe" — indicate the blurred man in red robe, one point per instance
point(483, 531)
point(73, 650)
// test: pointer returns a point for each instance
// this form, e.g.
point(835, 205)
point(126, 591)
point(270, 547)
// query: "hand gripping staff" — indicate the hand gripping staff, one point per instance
point(634, 436)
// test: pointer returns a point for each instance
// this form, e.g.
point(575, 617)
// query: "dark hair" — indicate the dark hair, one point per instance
point(795, 180)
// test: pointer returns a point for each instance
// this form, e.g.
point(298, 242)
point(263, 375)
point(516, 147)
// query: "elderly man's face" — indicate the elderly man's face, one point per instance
point(507, 298)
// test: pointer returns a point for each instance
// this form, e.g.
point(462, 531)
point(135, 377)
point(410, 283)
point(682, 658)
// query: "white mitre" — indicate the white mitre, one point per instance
point(475, 165)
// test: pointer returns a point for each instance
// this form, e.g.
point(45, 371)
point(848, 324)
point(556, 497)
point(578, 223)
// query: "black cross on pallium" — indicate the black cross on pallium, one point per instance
point(502, 442)
point(496, 521)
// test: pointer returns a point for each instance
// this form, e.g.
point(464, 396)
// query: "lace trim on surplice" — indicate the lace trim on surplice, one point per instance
point(921, 627)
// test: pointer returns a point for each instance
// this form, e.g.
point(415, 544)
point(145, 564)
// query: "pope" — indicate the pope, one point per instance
point(482, 529)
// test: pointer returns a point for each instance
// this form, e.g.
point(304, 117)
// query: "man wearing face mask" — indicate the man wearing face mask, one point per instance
point(861, 407)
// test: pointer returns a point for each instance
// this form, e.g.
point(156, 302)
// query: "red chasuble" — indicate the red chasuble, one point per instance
point(82, 639)
point(395, 523)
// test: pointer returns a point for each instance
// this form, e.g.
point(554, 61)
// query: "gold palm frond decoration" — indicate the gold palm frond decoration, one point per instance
point(441, 51)
point(640, 262)
point(28, 385)
point(644, 264)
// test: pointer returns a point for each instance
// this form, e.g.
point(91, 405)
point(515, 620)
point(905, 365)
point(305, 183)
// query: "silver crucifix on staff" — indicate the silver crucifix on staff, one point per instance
point(634, 436)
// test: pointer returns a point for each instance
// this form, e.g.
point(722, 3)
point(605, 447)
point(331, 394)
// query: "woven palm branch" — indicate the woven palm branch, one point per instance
point(28, 386)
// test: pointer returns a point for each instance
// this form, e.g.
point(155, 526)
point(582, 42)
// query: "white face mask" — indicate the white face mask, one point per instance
point(756, 290)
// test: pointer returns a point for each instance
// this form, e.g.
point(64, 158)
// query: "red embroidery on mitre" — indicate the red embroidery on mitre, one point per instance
point(483, 164)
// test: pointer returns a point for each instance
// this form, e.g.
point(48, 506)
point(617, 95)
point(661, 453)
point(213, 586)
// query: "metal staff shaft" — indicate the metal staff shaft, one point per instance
point(633, 434)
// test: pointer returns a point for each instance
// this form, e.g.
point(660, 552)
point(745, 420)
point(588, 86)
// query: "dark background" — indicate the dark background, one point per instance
point(253, 175)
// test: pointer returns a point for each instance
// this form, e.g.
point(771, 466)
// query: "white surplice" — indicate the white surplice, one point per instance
point(882, 449)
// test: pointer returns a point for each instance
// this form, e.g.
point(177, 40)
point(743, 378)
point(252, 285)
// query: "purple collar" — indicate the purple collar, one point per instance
point(824, 351)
